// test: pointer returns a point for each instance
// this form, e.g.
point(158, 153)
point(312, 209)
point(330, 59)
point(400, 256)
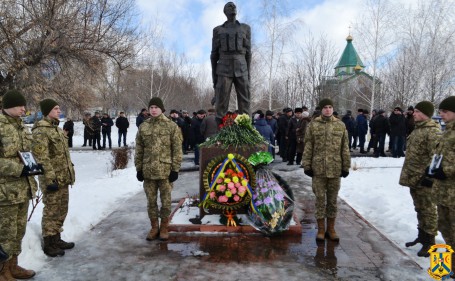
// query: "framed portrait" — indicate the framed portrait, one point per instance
point(435, 163)
point(29, 160)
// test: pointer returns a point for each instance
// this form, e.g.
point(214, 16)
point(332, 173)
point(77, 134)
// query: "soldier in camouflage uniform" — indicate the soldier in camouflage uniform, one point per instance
point(444, 176)
point(326, 158)
point(50, 146)
point(419, 151)
point(157, 159)
point(17, 185)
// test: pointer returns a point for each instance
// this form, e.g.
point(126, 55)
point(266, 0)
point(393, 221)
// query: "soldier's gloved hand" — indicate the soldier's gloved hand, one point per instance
point(25, 171)
point(439, 174)
point(344, 174)
point(52, 187)
point(173, 176)
point(40, 167)
point(309, 173)
point(140, 176)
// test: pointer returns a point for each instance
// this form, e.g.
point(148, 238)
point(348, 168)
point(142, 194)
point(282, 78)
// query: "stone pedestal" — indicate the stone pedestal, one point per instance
point(208, 153)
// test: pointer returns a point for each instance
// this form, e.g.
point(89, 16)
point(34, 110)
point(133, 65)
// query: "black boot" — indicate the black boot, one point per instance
point(50, 247)
point(62, 244)
point(417, 240)
point(427, 242)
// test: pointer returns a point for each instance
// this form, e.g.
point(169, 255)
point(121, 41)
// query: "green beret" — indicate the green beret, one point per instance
point(325, 102)
point(156, 101)
point(448, 104)
point(47, 105)
point(425, 107)
point(13, 98)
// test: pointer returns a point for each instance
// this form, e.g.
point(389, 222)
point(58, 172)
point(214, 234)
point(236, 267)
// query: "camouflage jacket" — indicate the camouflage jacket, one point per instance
point(446, 147)
point(14, 137)
point(158, 148)
point(326, 150)
point(419, 151)
point(50, 147)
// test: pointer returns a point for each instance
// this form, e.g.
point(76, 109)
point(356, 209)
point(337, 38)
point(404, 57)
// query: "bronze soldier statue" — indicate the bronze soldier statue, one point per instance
point(231, 58)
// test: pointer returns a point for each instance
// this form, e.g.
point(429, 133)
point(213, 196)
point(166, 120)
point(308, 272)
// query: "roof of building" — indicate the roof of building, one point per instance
point(350, 56)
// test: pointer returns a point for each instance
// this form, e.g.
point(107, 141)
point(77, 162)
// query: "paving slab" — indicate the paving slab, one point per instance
point(116, 248)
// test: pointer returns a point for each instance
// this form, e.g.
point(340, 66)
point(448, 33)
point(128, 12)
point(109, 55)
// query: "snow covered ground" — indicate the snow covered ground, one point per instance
point(372, 189)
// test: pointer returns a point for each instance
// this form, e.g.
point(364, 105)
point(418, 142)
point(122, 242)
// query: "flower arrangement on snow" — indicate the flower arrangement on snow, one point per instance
point(228, 182)
point(272, 202)
point(235, 130)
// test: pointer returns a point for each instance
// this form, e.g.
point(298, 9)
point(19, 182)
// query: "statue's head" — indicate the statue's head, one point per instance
point(230, 9)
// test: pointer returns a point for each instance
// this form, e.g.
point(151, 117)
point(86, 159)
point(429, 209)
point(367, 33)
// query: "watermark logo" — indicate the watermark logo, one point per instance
point(440, 262)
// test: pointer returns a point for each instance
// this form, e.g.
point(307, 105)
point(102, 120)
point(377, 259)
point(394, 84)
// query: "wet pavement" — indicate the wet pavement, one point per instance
point(116, 248)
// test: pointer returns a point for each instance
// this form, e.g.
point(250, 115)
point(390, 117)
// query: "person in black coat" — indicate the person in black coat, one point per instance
point(122, 124)
point(283, 121)
point(349, 122)
point(397, 123)
point(68, 127)
point(106, 123)
point(380, 128)
point(198, 137)
point(95, 123)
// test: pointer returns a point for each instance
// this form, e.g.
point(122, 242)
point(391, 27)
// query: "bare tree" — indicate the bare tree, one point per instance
point(39, 40)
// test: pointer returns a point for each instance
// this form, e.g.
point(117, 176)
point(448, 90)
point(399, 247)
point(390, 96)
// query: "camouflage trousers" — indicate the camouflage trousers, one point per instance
point(13, 222)
point(446, 224)
point(326, 192)
point(55, 210)
point(425, 207)
point(151, 188)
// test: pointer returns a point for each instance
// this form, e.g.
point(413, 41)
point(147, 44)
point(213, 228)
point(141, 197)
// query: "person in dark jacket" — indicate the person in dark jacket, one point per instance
point(198, 137)
point(88, 131)
point(141, 117)
point(188, 136)
point(95, 123)
point(397, 123)
point(68, 128)
point(291, 135)
point(106, 123)
point(209, 126)
point(122, 124)
point(362, 129)
point(379, 129)
point(283, 121)
point(266, 131)
point(349, 122)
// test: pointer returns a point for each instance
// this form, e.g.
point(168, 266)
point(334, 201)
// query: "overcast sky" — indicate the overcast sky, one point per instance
point(188, 24)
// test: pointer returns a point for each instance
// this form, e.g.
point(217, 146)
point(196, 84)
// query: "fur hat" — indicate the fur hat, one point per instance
point(325, 102)
point(47, 105)
point(268, 113)
point(448, 104)
point(156, 101)
point(13, 98)
point(298, 109)
point(174, 111)
point(425, 107)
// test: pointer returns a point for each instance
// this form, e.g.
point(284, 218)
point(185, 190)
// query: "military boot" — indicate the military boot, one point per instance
point(3, 255)
point(331, 233)
point(62, 244)
point(153, 233)
point(417, 240)
point(427, 241)
point(50, 248)
point(164, 233)
point(19, 272)
point(5, 273)
point(321, 230)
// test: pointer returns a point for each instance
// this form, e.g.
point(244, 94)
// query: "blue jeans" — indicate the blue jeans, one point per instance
point(120, 134)
point(398, 146)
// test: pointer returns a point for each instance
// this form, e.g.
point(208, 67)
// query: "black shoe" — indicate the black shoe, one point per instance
point(62, 244)
point(290, 163)
point(84, 145)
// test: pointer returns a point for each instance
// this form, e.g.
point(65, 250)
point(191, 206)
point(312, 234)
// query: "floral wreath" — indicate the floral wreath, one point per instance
point(228, 183)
